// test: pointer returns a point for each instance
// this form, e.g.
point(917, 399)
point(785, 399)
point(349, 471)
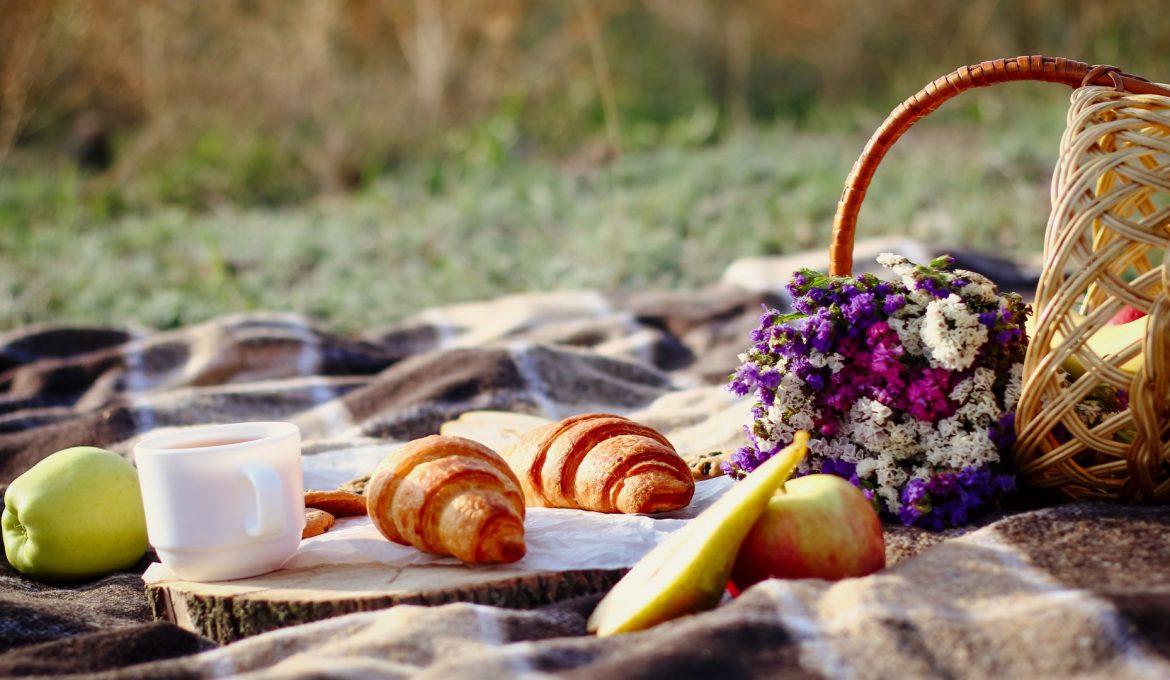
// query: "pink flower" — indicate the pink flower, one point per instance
point(927, 395)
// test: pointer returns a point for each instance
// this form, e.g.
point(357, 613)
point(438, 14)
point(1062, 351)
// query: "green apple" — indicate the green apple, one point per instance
point(819, 526)
point(687, 573)
point(75, 515)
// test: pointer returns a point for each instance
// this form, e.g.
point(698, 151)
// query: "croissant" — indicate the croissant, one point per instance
point(600, 462)
point(450, 496)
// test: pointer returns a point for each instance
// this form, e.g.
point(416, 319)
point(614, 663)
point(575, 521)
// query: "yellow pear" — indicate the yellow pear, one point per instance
point(1105, 343)
point(687, 573)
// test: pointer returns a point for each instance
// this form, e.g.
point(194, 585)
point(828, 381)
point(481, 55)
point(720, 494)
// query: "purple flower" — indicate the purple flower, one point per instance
point(893, 303)
point(764, 331)
point(810, 301)
point(915, 502)
point(1008, 335)
point(932, 287)
point(951, 498)
point(818, 330)
point(1003, 433)
point(841, 468)
point(744, 379)
point(941, 484)
point(740, 463)
point(797, 283)
point(770, 379)
point(914, 491)
point(859, 308)
point(886, 361)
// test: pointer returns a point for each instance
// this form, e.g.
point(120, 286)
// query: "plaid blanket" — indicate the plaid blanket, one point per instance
point(1075, 590)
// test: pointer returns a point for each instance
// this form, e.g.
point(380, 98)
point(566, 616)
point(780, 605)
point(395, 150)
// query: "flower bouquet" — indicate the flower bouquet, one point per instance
point(908, 386)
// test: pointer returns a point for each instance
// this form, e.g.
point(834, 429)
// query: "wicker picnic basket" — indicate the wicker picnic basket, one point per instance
point(1107, 245)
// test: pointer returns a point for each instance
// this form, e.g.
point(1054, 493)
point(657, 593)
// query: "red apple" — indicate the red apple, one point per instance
point(817, 526)
point(1126, 315)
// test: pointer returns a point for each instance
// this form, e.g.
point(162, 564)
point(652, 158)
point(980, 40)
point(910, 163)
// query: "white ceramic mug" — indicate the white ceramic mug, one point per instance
point(223, 501)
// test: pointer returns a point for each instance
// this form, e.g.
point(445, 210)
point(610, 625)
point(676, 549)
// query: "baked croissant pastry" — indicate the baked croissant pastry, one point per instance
point(450, 496)
point(600, 462)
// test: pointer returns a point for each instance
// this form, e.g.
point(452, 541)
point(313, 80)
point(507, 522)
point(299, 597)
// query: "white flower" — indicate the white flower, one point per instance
point(918, 299)
point(890, 497)
point(912, 309)
point(909, 332)
point(1015, 385)
point(961, 450)
point(846, 450)
point(859, 428)
point(1090, 412)
point(976, 387)
point(960, 392)
point(951, 334)
point(947, 428)
point(901, 440)
point(874, 410)
point(789, 380)
point(790, 397)
point(979, 287)
point(890, 479)
point(898, 264)
point(984, 380)
point(802, 420)
point(980, 412)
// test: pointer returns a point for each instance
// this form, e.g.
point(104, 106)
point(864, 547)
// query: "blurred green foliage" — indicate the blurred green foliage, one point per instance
point(473, 226)
point(217, 165)
point(360, 159)
point(268, 102)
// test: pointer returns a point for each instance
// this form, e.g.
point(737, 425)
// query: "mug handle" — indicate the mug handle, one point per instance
point(269, 517)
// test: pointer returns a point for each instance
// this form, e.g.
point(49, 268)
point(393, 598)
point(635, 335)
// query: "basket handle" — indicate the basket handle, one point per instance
point(1045, 69)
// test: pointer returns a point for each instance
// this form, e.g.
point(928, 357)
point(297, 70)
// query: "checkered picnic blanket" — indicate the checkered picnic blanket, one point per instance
point(1075, 590)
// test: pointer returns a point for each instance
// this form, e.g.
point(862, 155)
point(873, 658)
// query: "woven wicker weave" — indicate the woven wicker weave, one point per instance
point(1107, 245)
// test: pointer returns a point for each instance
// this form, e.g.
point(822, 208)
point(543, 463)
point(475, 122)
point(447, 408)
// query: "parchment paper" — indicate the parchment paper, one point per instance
point(557, 540)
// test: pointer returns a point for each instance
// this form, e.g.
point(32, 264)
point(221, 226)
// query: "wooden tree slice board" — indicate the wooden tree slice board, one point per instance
point(230, 610)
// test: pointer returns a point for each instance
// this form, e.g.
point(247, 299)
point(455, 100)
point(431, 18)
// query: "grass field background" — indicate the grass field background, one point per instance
point(444, 231)
point(359, 160)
